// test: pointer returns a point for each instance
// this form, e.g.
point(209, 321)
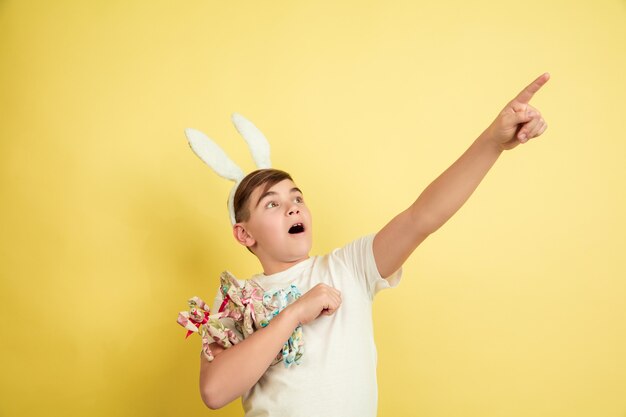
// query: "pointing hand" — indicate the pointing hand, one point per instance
point(519, 122)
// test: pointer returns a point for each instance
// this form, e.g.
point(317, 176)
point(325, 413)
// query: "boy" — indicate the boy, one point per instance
point(337, 375)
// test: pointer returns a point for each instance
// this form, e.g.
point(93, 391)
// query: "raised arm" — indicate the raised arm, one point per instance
point(517, 123)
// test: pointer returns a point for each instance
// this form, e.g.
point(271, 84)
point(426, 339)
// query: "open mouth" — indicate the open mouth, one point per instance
point(296, 228)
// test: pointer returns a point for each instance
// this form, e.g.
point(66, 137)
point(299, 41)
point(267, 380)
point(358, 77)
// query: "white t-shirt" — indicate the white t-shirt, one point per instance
point(337, 372)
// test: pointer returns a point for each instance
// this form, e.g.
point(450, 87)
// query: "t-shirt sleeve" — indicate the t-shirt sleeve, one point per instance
point(358, 256)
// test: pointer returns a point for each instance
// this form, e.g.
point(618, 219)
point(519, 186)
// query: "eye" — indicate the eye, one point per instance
point(271, 204)
point(299, 200)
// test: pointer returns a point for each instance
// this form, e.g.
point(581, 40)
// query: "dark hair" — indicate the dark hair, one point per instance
point(267, 177)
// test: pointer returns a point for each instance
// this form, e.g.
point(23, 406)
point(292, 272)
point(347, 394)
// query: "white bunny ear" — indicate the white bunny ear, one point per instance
point(259, 146)
point(213, 155)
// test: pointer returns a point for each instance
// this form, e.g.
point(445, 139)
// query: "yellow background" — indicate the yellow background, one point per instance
point(109, 223)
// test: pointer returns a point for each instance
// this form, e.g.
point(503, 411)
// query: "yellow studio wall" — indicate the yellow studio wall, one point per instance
point(109, 222)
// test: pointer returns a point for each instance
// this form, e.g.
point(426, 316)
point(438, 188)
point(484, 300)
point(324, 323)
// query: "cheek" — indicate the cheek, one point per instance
point(268, 225)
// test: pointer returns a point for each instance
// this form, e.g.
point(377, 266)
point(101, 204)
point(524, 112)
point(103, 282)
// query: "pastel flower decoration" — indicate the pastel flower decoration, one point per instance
point(247, 308)
point(197, 315)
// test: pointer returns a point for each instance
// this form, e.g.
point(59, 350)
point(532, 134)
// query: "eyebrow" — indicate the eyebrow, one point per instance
point(269, 193)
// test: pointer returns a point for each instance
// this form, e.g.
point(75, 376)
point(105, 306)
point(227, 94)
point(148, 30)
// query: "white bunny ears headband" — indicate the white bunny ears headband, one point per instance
point(214, 156)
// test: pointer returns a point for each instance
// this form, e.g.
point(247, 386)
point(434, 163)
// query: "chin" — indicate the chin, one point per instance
point(301, 252)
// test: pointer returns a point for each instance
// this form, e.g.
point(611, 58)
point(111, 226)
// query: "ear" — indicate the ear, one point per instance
point(242, 236)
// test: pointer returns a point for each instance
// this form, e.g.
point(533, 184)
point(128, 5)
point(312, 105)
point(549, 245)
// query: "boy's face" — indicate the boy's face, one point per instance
point(279, 224)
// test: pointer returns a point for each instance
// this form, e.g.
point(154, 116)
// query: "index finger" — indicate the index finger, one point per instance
point(527, 93)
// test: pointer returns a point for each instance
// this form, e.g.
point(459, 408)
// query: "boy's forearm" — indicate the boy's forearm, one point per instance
point(236, 369)
point(446, 194)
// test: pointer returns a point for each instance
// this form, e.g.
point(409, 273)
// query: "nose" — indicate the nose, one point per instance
point(293, 210)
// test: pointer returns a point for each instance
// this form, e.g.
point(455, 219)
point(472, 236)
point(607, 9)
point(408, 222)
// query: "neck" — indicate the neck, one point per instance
point(272, 266)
